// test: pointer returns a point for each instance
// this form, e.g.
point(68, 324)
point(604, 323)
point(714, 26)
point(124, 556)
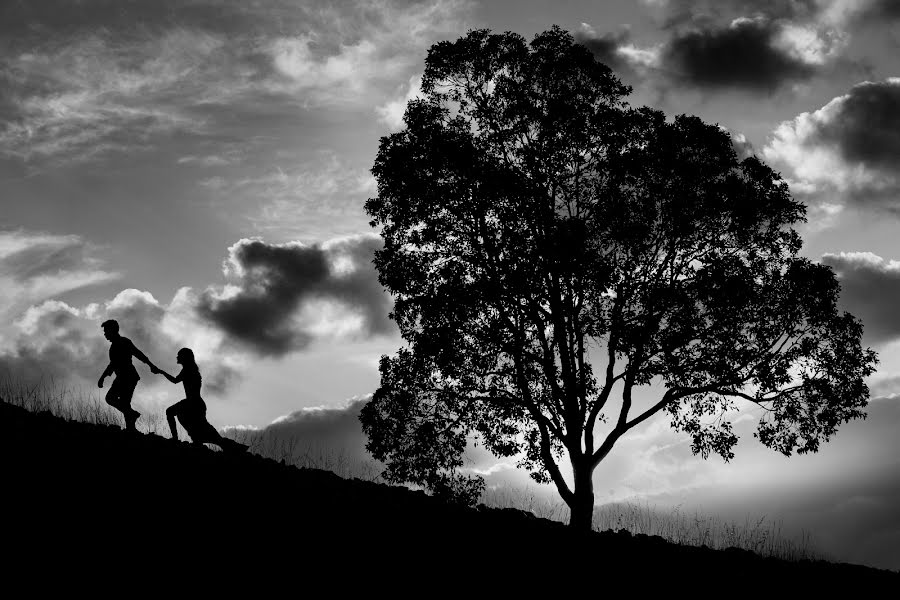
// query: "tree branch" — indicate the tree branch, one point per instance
point(668, 397)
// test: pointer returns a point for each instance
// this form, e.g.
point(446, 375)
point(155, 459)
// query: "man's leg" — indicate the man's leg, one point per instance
point(127, 391)
point(114, 398)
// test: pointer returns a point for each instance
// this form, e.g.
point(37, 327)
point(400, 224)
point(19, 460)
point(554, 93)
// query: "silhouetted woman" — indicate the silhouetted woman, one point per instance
point(191, 411)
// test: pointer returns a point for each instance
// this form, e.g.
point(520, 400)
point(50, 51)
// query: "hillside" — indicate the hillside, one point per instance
point(84, 497)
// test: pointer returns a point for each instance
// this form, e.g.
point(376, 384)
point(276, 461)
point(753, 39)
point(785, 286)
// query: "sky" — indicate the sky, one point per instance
point(197, 170)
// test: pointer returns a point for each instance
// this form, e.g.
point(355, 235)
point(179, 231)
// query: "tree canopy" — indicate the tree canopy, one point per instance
point(552, 249)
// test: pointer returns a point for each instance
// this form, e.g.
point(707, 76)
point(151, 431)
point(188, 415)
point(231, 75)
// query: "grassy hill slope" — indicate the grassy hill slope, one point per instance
point(83, 497)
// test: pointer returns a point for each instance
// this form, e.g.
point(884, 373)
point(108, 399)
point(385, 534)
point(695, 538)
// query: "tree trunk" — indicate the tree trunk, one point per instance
point(582, 506)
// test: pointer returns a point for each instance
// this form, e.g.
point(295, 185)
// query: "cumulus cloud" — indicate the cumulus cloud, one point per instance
point(848, 148)
point(281, 298)
point(285, 295)
point(55, 340)
point(870, 290)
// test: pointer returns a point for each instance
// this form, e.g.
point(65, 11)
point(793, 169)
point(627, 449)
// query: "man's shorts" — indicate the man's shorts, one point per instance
point(121, 391)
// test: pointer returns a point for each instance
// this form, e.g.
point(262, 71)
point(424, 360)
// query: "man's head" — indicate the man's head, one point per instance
point(110, 329)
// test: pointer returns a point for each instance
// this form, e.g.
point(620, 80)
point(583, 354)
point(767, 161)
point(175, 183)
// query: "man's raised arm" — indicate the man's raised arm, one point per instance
point(143, 358)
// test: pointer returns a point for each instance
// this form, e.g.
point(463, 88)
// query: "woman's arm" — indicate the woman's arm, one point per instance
point(169, 377)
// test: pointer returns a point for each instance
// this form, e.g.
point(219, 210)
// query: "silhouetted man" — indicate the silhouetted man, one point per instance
point(121, 349)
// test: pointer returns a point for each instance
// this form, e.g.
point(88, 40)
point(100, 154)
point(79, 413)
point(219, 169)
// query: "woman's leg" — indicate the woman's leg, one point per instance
point(193, 419)
point(210, 435)
point(172, 412)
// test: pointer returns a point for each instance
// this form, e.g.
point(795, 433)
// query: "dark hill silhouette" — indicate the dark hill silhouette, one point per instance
point(131, 509)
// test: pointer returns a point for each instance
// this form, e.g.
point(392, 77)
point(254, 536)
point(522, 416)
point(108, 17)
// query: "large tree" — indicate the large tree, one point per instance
point(551, 250)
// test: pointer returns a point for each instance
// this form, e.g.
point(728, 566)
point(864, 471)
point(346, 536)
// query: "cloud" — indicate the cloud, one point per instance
point(752, 54)
point(846, 496)
point(81, 84)
point(742, 146)
point(613, 49)
point(338, 78)
point(870, 290)
point(363, 47)
point(885, 386)
point(313, 434)
point(37, 266)
point(678, 13)
point(846, 149)
point(286, 295)
point(391, 113)
point(57, 341)
point(211, 160)
point(758, 46)
point(93, 97)
point(828, 13)
point(281, 298)
point(320, 199)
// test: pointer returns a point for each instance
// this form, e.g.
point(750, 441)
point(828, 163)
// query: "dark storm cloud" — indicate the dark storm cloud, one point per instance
point(743, 55)
point(847, 149)
point(865, 128)
point(879, 10)
point(276, 282)
point(605, 47)
point(870, 290)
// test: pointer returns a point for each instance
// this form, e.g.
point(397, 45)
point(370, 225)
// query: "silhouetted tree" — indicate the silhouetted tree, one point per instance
point(551, 250)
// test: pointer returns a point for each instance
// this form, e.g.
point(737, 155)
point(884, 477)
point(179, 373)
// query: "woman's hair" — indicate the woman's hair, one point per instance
point(188, 359)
